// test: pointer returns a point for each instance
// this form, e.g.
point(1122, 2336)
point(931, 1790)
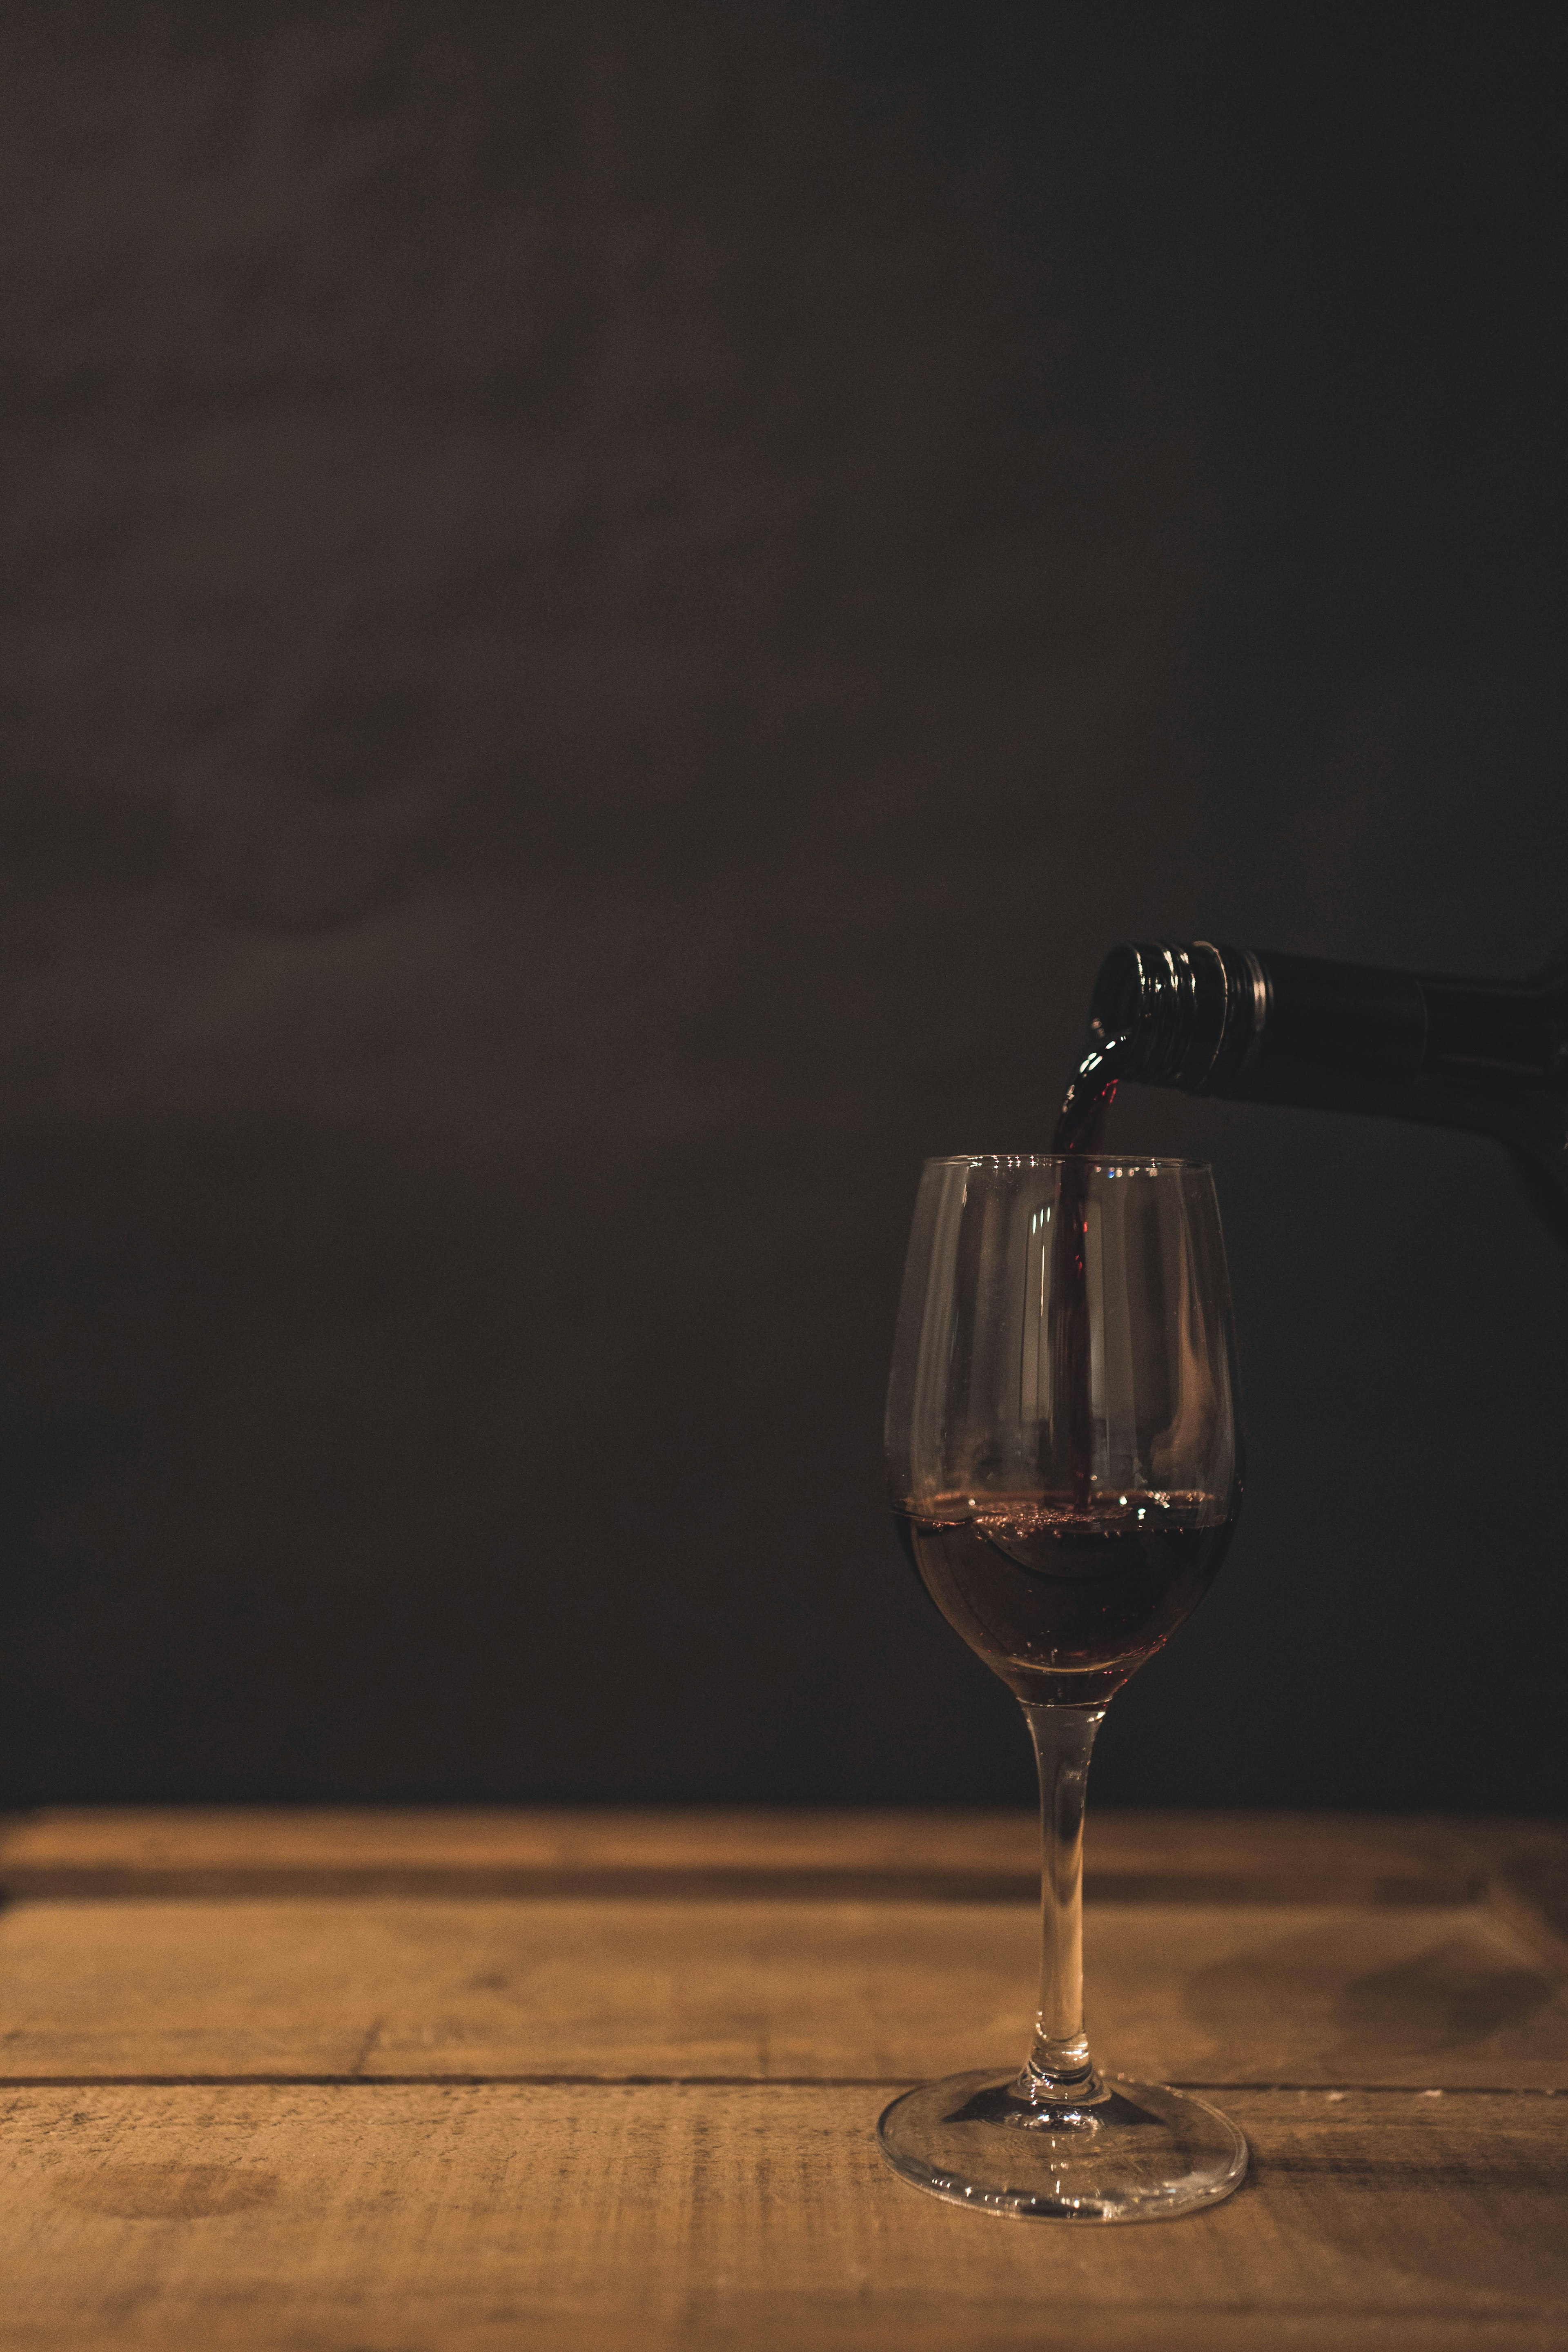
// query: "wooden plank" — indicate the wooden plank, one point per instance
point(1525, 1865)
point(384, 2218)
point(1131, 1856)
point(888, 1991)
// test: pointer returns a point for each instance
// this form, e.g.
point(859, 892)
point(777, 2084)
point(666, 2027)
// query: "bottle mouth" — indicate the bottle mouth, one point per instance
point(1191, 1015)
point(1124, 993)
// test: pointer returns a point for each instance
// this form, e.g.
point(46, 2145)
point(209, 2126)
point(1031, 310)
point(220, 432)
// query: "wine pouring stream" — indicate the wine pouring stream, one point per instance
point(1080, 1130)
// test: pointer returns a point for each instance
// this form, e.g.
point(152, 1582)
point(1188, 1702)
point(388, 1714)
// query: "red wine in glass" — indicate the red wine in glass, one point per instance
point(1064, 1600)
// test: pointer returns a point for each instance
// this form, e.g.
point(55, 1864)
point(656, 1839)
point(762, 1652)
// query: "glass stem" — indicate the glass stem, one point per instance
point(1060, 2067)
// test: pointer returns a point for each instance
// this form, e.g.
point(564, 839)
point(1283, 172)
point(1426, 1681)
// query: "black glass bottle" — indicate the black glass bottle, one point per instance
point(1257, 1026)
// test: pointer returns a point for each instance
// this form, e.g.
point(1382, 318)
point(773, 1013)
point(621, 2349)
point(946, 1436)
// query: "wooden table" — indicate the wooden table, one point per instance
point(410, 2082)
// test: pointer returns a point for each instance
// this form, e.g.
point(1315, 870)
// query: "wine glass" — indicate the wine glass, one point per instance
point(1064, 1463)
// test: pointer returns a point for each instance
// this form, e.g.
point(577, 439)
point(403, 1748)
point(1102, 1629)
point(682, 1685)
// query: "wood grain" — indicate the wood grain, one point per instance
point(887, 1990)
point(359, 2082)
point(387, 2218)
point(1131, 1856)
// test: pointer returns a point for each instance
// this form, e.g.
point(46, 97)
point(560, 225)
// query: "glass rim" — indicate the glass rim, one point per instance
point(1018, 1160)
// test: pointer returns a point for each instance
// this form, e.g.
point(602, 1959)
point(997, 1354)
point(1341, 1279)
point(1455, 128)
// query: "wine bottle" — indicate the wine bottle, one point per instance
point(1256, 1026)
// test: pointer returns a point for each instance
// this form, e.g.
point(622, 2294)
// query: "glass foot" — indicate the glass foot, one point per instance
point(1132, 2152)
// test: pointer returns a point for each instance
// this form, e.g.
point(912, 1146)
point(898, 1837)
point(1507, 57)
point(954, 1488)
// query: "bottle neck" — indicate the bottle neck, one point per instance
point(1265, 1027)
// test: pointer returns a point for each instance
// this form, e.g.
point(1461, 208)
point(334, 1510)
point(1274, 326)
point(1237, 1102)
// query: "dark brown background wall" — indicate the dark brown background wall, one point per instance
point(605, 609)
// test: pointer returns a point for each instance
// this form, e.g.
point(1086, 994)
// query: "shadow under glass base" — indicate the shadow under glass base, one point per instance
point(1134, 2152)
